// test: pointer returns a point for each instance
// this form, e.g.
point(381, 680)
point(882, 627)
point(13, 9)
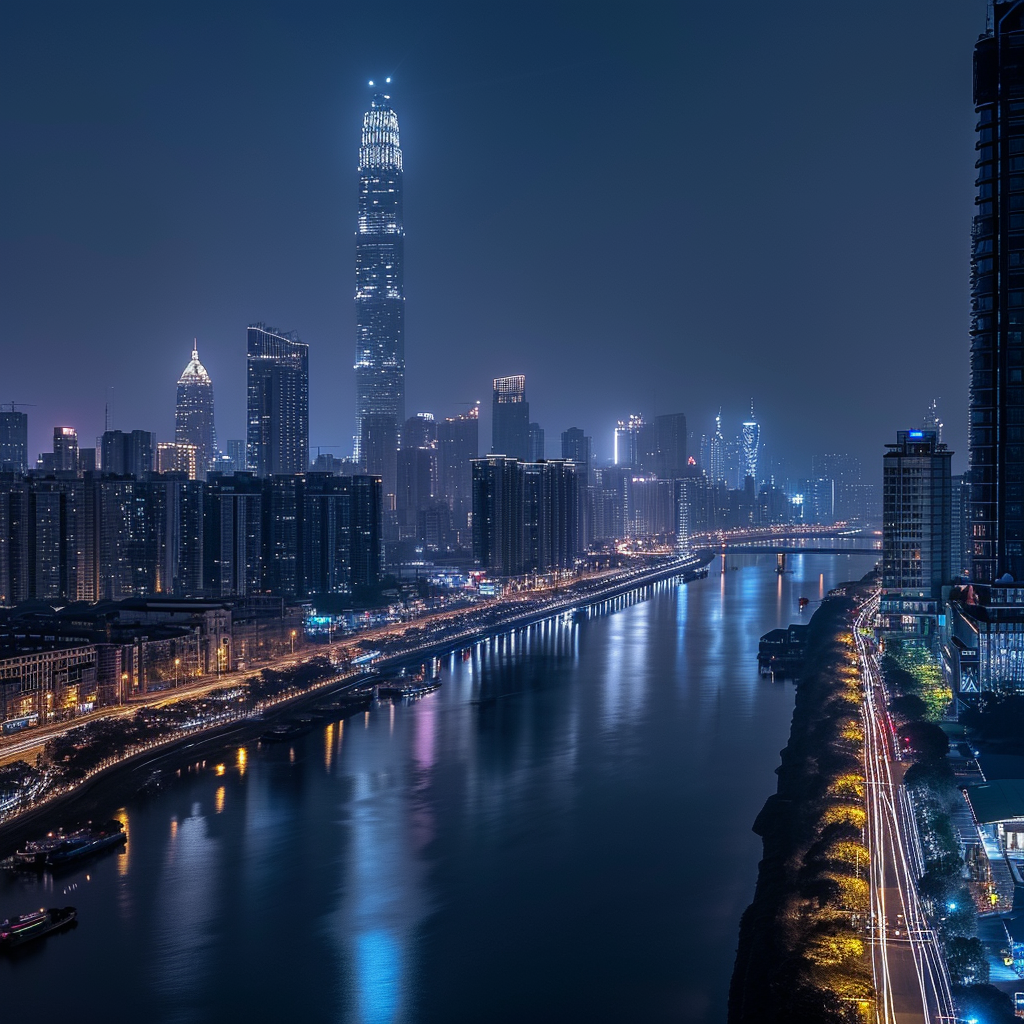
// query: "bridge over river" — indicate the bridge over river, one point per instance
point(839, 541)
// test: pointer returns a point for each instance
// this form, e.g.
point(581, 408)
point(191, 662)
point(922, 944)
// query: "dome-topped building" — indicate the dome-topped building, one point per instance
point(193, 416)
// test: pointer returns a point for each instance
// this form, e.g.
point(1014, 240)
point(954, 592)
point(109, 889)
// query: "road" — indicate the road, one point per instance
point(910, 976)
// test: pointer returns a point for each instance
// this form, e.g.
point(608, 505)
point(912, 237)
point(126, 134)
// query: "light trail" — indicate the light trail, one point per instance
point(911, 980)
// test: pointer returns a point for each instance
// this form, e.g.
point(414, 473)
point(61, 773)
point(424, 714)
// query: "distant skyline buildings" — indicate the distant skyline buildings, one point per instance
point(716, 452)
point(750, 440)
point(194, 413)
point(626, 446)
point(13, 440)
point(277, 389)
point(380, 294)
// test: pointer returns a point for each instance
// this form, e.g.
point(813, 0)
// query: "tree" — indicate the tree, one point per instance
point(908, 707)
point(966, 960)
point(986, 1003)
point(926, 739)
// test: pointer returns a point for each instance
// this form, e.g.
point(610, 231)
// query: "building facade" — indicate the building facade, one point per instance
point(525, 515)
point(917, 512)
point(277, 400)
point(13, 440)
point(510, 418)
point(997, 301)
point(458, 444)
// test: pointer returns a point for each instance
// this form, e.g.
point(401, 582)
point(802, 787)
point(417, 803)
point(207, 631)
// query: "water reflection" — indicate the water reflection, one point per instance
point(564, 824)
point(184, 913)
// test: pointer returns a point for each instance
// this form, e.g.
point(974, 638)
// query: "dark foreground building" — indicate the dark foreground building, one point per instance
point(997, 289)
point(525, 515)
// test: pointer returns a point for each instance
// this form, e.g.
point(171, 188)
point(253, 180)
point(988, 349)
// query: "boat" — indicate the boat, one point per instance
point(346, 705)
point(60, 847)
point(16, 931)
point(90, 842)
point(413, 688)
point(285, 731)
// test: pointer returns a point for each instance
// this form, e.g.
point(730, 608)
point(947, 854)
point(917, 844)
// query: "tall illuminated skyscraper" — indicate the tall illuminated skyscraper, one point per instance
point(380, 294)
point(193, 413)
point(716, 452)
point(750, 440)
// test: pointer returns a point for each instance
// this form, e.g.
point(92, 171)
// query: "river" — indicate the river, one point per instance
point(562, 832)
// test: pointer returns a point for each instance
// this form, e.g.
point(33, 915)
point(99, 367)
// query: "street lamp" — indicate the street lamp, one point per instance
point(293, 641)
point(177, 662)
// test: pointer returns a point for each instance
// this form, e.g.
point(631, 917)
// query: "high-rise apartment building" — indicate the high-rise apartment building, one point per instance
point(498, 514)
point(172, 457)
point(380, 294)
point(13, 440)
point(663, 447)
point(65, 450)
point(458, 444)
point(236, 455)
point(536, 442)
point(510, 418)
point(577, 447)
point(916, 531)
point(525, 515)
point(132, 453)
point(628, 446)
point(277, 440)
point(997, 306)
point(193, 413)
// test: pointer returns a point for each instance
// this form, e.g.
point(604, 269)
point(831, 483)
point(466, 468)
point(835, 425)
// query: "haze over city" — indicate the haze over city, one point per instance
point(512, 513)
point(679, 208)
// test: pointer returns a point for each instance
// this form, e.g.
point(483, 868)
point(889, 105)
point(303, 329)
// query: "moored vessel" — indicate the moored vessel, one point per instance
point(16, 931)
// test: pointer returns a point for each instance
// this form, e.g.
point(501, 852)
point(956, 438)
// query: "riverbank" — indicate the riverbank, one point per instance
point(801, 955)
point(113, 784)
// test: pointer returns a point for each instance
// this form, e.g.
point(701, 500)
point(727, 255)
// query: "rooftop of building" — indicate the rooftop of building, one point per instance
point(998, 800)
point(194, 371)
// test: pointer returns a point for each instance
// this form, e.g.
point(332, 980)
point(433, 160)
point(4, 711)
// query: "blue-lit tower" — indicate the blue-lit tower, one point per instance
point(380, 294)
point(751, 441)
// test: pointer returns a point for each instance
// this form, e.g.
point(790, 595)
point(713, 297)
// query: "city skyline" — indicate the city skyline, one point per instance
point(138, 360)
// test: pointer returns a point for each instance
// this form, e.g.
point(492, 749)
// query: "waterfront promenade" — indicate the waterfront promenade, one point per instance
point(436, 635)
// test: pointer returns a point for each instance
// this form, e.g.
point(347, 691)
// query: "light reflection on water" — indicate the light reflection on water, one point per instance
point(565, 824)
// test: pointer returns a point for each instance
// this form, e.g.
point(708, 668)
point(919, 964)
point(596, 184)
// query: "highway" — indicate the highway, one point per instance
point(910, 977)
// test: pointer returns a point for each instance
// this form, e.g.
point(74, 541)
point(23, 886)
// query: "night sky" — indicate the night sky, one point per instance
point(643, 207)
